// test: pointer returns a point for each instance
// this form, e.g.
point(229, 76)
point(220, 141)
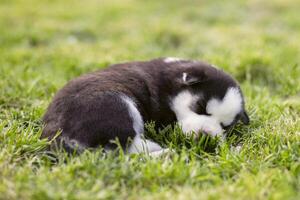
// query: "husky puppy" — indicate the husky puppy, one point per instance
point(96, 108)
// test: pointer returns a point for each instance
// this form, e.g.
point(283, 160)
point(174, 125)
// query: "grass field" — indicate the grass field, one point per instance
point(43, 44)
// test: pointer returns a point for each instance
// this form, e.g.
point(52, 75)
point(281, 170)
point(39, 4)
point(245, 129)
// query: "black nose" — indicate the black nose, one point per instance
point(245, 118)
point(226, 127)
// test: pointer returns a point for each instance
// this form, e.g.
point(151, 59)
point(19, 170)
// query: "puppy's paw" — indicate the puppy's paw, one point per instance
point(190, 125)
point(162, 153)
point(201, 123)
point(212, 127)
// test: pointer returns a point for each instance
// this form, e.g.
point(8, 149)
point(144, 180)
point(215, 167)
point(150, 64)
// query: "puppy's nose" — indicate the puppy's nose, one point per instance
point(228, 128)
point(245, 118)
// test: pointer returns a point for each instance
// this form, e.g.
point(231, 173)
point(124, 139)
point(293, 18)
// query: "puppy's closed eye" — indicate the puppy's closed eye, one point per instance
point(200, 108)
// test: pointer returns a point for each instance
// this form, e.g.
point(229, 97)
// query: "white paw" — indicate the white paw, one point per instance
point(190, 125)
point(201, 123)
point(212, 127)
point(161, 152)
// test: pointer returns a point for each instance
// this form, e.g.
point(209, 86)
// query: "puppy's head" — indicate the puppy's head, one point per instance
point(218, 94)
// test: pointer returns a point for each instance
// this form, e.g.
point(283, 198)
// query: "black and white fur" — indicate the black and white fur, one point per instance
point(96, 108)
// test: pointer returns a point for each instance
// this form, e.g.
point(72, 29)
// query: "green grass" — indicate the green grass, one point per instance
point(43, 44)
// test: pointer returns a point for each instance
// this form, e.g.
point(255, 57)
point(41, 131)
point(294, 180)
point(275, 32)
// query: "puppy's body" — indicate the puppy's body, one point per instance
point(114, 103)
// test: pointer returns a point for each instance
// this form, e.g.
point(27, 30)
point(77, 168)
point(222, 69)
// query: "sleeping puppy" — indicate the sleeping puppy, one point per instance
point(96, 108)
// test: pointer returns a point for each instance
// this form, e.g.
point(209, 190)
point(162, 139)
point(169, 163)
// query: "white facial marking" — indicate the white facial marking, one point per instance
point(191, 121)
point(172, 59)
point(225, 110)
point(138, 123)
point(181, 104)
point(215, 66)
point(184, 75)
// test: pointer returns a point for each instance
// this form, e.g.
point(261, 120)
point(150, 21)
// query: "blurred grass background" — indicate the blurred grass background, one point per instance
point(43, 44)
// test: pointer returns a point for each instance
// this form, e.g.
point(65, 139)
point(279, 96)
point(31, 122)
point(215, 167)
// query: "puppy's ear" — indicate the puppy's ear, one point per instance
point(189, 79)
point(245, 118)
